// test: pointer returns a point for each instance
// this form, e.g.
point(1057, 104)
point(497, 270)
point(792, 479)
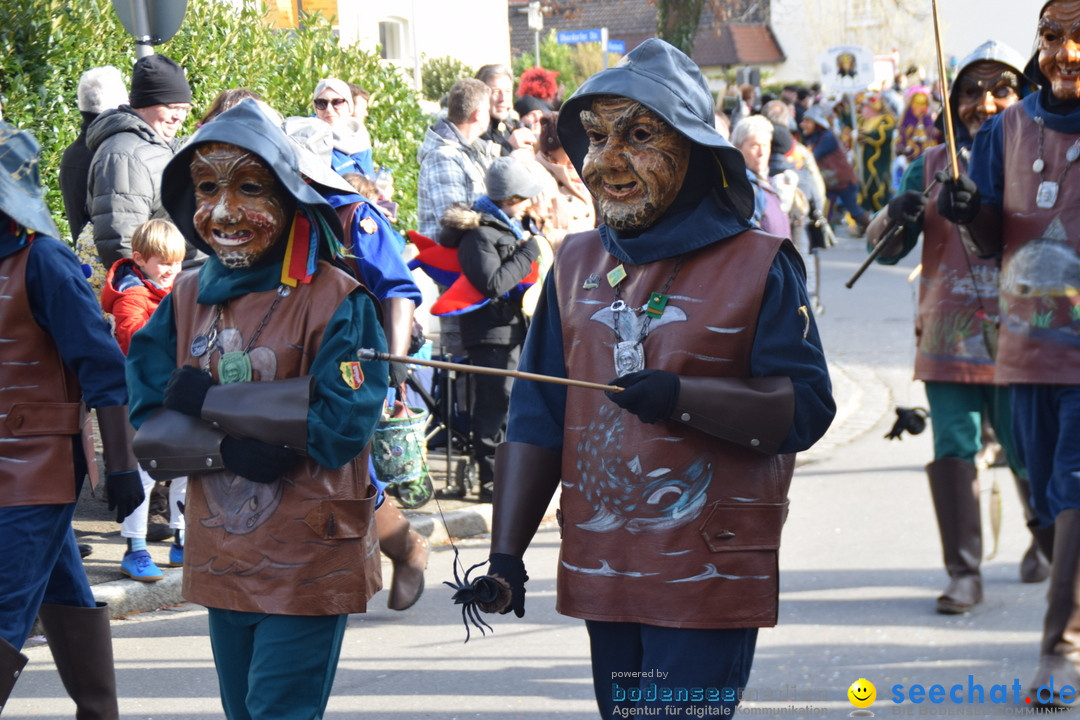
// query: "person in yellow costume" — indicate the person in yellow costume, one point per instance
point(876, 127)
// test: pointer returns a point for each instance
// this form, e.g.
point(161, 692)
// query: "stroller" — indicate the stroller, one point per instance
point(447, 425)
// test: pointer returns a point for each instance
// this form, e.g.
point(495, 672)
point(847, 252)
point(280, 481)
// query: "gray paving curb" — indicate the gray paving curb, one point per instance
point(862, 399)
point(130, 596)
point(462, 523)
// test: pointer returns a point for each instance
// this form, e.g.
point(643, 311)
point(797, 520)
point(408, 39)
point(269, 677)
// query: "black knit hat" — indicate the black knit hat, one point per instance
point(527, 103)
point(158, 80)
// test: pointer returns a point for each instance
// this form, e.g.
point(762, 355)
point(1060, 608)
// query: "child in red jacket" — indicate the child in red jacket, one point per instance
point(132, 291)
point(136, 285)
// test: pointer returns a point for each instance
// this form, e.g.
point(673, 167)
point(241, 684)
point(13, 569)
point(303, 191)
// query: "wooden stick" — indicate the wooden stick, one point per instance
point(884, 240)
point(369, 354)
point(950, 132)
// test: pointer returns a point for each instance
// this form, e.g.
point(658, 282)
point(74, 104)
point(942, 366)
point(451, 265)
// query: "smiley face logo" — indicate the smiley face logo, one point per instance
point(862, 693)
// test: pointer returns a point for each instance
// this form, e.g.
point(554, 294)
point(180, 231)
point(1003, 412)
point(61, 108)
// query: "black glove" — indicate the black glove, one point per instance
point(649, 394)
point(911, 419)
point(959, 200)
point(399, 373)
point(416, 338)
point(512, 570)
point(255, 460)
point(530, 248)
point(125, 492)
point(907, 207)
point(186, 391)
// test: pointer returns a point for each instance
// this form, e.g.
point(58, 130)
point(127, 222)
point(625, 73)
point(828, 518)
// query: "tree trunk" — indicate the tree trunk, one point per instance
point(677, 22)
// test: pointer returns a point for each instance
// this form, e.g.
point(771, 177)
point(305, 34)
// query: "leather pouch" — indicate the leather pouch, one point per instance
point(341, 518)
point(744, 526)
point(26, 419)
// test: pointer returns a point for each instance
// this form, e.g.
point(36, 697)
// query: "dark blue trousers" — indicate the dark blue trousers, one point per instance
point(636, 666)
point(849, 198)
point(40, 564)
point(1046, 426)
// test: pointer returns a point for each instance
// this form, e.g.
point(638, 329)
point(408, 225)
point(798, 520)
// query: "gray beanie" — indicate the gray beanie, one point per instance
point(508, 177)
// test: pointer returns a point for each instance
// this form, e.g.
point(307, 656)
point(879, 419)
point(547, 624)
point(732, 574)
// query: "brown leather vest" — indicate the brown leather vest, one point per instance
point(647, 511)
point(951, 345)
point(305, 544)
point(40, 399)
point(1039, 340)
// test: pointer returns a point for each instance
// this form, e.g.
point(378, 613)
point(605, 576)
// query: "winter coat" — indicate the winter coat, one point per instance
point(74, 172)
point(130, 298)
point(450, 172)
point(499, 132)
point(125, 181)
point(494, 261)
point(352, 149)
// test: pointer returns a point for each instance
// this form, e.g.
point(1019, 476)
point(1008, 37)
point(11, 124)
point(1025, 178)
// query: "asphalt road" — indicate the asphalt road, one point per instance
point(860, 568)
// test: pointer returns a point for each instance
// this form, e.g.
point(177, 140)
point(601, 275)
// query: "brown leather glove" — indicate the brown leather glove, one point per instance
point(526, 477)
point(123, 487)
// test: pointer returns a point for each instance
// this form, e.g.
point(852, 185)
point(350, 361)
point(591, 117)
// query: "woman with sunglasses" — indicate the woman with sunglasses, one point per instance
point(352, 144)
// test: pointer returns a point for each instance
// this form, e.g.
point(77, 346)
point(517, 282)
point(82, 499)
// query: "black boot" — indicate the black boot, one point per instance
point(1060, 651)
point(81, 645)
point(955, 490)
point(1034, 566)
point(11, 664)
point(1044, 538)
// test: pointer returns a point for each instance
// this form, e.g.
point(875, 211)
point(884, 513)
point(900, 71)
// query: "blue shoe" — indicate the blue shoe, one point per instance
point(137, 565)
point(176, 555)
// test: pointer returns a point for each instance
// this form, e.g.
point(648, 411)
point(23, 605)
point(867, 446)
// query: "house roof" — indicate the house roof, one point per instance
point(751, 42)
point(742, 44)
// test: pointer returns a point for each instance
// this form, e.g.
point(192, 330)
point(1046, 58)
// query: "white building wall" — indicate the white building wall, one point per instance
point(804, 28)
point(476, 33)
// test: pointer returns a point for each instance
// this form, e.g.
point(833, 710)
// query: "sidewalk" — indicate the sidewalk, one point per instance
point(861, 400)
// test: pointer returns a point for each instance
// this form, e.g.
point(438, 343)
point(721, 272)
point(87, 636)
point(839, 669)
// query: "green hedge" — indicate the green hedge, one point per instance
point(438, 75)
point(45, 45)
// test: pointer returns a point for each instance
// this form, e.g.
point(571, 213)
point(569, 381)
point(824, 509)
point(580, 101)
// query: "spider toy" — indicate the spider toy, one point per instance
point(474, 595)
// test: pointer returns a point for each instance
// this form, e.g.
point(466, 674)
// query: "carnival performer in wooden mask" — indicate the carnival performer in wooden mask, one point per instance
point(956, 334)
point(1032, 223)
point(247, 378)
point(674, 490)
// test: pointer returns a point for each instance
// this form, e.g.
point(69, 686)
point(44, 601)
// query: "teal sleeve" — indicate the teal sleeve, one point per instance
point(150, 361)
point(911, 180)
point(341, 420)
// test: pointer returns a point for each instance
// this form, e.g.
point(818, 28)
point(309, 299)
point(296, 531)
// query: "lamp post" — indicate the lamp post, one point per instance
point(536, 24)
point(150, 22)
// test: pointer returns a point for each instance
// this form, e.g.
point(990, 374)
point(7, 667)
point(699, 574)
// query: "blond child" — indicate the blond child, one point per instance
point(133, 289)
